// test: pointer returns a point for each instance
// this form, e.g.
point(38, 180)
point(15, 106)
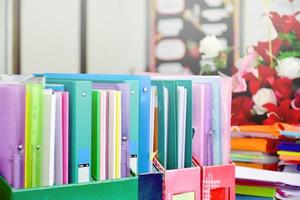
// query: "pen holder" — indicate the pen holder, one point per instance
point(217, 182)
point(150, 186)
point(180, 183)
point(125, 189)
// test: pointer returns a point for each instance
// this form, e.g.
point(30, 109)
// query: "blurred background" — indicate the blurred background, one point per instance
point(126, 36)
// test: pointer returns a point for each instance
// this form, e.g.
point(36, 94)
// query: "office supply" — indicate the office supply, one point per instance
point(226, 99)
point(80, 128)
point(254, 144)
point(48, 138)
point(271, 177)
point(65, 125)
point(12, 128)
point(291, 134)
point(247, 197)
point(202, 141)
point(58, 178)
point(144, 108)
point(181, 123)
point(256, 157)
point(33, 134)
point(215, 82)
point(118, 134)
point(272, 167)
point(153, 105)
point(289, 146)
point(256, 191)
point(124, 88)
point(95, 162)
point(112, 134)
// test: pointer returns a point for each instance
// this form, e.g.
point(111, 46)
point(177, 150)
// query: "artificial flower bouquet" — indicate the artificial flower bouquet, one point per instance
point(266, 108)
point(266, 81)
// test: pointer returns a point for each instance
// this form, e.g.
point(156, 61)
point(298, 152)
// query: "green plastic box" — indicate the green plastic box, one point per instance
point(119, 189)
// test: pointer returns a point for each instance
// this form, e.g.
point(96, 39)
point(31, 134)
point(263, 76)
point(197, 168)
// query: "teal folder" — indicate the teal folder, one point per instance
point(172, 143)
point(80, 128)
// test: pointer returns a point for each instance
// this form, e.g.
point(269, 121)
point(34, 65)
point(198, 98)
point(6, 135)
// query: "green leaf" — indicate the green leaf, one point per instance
point(288, 54)
point(220, 63)
point(290, 37)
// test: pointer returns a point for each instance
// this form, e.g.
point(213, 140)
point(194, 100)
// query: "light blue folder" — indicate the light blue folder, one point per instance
point(144, 108)
point(290, 134)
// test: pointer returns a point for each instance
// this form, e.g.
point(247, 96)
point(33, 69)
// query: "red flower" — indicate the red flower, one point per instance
point(241, 110)
point(262, 49)
point(282, 87)
point(266, 76)
point(282, 24)
point(282, 113)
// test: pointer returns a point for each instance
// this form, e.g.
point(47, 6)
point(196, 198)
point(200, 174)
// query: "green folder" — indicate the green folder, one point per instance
point(95, 162)
point(256, 191)
point(187, 84)
point(33, 135)
point(172, 143)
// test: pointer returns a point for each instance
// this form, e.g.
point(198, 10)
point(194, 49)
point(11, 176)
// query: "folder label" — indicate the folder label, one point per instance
point(184, 196)
point(83, 173)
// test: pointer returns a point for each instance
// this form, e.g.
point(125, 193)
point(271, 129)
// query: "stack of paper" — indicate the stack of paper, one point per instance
point(255, 151)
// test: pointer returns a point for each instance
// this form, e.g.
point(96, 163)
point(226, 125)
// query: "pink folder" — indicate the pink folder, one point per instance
point(58, 175)
point(179, 181)
point(226, 96)
point(65, 128)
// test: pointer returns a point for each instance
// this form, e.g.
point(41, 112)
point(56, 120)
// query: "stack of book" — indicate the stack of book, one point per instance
point(266, 160)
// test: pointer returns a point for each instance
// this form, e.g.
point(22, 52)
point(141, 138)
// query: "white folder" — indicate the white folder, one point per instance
point(48, 138)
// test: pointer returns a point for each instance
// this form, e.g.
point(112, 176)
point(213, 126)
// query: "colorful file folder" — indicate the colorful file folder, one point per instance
point(144, 107)
point(124, 88)
point(12, 129)
point(33, 134)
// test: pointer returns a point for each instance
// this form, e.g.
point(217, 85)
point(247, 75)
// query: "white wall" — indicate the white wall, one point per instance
point(50, 36)
point(6, 36)
point(116, 36)
point(254, 27)
point(2, 35)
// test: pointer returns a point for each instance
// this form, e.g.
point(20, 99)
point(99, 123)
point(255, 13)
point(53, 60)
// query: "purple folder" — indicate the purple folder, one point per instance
point(125, 115)
point(12, 133)
point(202, 123)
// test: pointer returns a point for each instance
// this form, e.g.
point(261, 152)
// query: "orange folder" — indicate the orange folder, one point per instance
point(289, 158)
point(273, 130)
point(254, 144)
